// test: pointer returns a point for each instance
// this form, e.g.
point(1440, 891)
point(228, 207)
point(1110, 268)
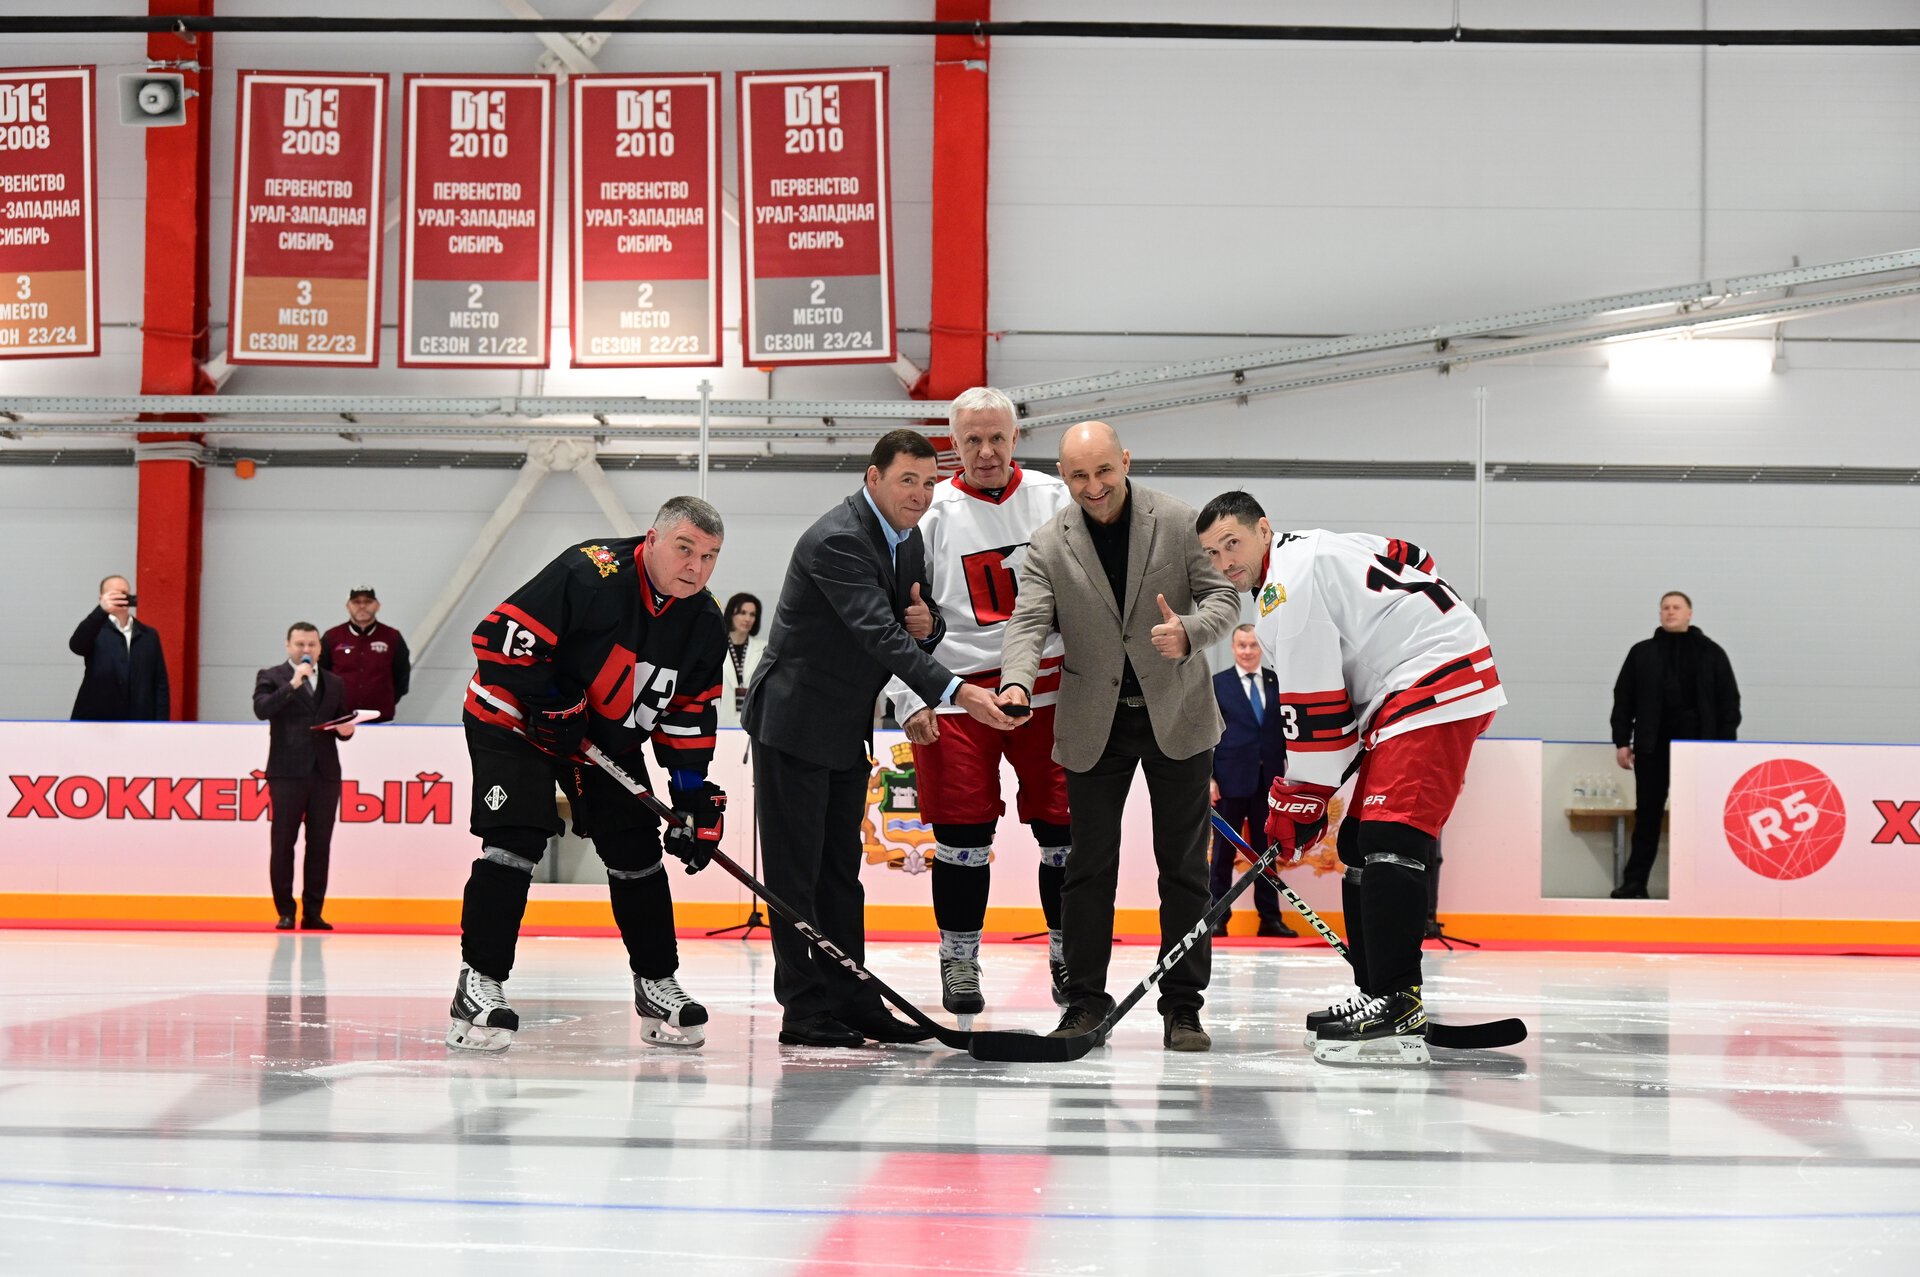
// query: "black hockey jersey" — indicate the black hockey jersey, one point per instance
point(588, 621)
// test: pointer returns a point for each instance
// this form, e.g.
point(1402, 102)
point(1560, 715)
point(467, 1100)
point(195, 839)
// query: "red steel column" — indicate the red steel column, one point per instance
point(173, 348)
point(959, 312)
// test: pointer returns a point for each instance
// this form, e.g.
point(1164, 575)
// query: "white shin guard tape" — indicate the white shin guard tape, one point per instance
point(1388, 858)
point(971, 857)
point(1055, 856)
point(629, 874)
point(960, 944)
point(501, 856)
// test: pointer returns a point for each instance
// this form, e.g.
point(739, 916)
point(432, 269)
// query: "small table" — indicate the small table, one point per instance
point(1581, 819)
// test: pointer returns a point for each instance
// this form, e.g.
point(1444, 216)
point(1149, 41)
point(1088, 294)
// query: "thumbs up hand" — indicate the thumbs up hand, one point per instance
point(1170, 636)
point(919, 617)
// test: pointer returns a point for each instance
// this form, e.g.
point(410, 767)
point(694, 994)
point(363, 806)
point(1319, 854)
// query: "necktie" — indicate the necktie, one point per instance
point(1253, 699)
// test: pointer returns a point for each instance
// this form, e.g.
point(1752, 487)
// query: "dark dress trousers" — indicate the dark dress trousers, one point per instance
point(1250, 754)
point(124, 682)
point(836, 638)
point(303, 779)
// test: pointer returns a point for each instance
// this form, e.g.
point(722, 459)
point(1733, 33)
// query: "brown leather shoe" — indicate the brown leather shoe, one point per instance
point(1184, 1032)
point(1080, 1019)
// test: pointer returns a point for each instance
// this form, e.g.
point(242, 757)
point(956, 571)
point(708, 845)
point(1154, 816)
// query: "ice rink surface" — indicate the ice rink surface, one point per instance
point(283, 1104)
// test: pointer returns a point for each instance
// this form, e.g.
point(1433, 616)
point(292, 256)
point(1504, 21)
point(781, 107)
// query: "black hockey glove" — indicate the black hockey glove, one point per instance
point(557, 724)
point(702, 816)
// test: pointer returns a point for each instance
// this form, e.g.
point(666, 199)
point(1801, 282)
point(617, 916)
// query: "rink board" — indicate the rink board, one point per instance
point(143, 823)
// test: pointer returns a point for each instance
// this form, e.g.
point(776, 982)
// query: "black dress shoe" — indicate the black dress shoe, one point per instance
point(882, 1026)
point(314, 922)
point(1630, 891)
point(1275, 927)
point(285, 923)
point(818, 1030)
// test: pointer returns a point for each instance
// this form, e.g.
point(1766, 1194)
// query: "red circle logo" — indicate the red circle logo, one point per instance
point(1785, 819)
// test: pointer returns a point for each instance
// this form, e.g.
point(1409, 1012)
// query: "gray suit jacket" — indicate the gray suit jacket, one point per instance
point(1062, 586)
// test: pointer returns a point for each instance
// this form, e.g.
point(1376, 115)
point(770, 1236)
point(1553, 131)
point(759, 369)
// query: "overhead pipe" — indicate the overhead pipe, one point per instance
point(1860, 37)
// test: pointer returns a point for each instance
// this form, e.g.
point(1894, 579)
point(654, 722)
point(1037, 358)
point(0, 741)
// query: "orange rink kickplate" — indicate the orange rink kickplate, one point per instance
point(904, 922)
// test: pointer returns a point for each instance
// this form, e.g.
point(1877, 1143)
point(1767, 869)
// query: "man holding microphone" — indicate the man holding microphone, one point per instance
point(303, 770)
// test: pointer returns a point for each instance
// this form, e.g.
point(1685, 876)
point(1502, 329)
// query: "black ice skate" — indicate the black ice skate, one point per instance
point(960, 989)
point(1057, 968)
point(482, 1020)
point(1387, 1030)
point(668, 1017)
point(1317, 1020)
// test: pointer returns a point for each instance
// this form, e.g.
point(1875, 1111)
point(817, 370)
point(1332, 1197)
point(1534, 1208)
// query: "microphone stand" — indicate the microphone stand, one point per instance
point(754, 917)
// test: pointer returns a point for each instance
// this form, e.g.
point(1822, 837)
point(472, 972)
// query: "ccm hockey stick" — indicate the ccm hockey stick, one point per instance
point(1454, 1037)
point(954, 1038)
point(1032, 1048)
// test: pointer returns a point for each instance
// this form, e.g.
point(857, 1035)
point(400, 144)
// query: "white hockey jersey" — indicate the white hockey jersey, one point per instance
point(1367, 642)
point(975, 548)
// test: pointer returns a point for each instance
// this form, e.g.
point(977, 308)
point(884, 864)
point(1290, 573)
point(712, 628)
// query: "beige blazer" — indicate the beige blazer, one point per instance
point(1063, 587)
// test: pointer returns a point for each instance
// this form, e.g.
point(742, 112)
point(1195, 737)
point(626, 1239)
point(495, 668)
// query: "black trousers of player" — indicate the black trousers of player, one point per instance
point(1652, 776)
point(514, 812)
point(312, 801)
point(810, 850)
point(1177, 788)
point(1236, 810)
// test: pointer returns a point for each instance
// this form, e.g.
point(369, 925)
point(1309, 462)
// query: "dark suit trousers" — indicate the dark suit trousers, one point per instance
point(1177, 790)
point(311, 801)
point(811, 853)
point(1249, 810)
point(1652, 775)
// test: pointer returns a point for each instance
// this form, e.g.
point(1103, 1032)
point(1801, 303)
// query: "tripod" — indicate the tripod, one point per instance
point(754, 917)
point(1436, 930)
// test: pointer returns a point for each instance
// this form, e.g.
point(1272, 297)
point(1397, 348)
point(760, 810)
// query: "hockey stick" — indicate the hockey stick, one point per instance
point(1454, 1037)
point(954, 1038)
point(1030, 1048)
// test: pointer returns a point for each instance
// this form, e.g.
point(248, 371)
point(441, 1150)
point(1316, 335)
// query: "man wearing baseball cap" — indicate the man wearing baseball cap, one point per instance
point(370, 658)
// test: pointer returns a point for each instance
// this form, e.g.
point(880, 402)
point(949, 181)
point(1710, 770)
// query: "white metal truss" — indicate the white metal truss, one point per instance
point(1705, 306)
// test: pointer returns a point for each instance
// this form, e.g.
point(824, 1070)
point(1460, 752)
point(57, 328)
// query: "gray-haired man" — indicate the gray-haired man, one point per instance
point(615, 642)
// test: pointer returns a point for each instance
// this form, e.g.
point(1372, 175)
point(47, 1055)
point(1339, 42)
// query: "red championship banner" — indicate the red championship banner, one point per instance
point(646, 220)
point(308, 218)
point(474, 288)
point(49, 247)
point(816, 218)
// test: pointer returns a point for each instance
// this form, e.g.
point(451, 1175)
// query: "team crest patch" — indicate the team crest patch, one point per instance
point(603, 558)
point(892, 828)
point(1272, 597)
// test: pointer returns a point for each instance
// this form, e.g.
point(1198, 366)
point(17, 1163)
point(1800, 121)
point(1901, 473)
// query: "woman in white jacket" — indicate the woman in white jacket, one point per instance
point(744, 649)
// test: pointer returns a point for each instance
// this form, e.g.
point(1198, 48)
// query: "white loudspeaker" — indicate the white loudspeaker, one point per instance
point(153, 99)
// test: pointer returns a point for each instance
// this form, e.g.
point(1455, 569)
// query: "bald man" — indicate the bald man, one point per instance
point(1122, 577)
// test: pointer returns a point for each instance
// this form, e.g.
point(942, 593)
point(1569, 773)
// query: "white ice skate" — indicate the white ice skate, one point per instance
point(668, 1017)
point(482, 1020)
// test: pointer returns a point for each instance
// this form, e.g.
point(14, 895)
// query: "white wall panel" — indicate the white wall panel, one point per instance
point(1141, 191)
point(60, 532)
